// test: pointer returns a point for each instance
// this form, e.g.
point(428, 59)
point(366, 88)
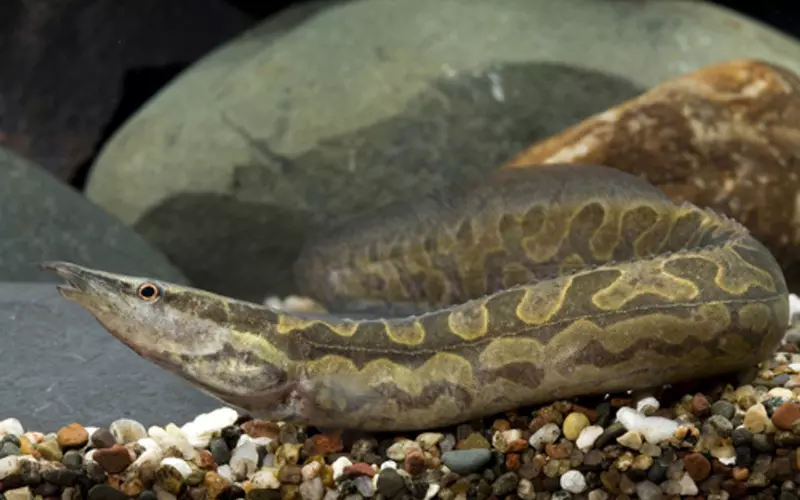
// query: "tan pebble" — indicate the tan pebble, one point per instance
point(72, 436)
point(624, 461)
point(642, 462)
point(723, 450)
point(781, 392)
point(574, 424)
point(133, 487)
point(756, 418)
point(429, 440)
point(50, 450)
point(397, 451)
point(745, 396)
point(741, 473)
point(650, 449)
point(631, 439)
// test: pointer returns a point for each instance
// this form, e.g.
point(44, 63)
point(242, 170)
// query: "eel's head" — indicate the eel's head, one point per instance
point(156, 319)
point(187, 331)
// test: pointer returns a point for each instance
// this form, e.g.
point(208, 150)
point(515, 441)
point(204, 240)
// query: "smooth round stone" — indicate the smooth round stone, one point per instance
point(220, 170)
point(466, 461)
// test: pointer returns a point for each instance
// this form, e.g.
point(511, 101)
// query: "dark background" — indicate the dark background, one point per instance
point(74, 70)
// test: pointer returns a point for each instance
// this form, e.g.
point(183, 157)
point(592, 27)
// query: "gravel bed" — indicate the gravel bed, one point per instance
point(735, 439)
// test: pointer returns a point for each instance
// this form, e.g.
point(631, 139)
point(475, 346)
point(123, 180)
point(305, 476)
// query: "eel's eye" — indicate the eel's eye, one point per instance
point(149, 292)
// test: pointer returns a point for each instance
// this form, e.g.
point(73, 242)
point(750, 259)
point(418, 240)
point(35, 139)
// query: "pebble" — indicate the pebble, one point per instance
point(244, 459)
point(127, 431)
point(546, 435)
point(631, 439)
point(756, 418)
point(574, 424)
point(785, 414)
point(717, 445)
point(103, 438)
point(466, 461)
point(11, 426)
point(573, 482)
point(588, 437)
point(113, 460)
point(652, 428)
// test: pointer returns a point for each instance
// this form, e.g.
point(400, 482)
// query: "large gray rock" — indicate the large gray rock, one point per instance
point(60, 366)
point(268, 138)
point(43, 219)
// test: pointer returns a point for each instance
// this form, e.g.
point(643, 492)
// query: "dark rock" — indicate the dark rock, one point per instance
point(58, 337)
point(46, 220)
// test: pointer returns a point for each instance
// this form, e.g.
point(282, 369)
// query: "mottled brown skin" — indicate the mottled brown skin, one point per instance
point(533, 285)
point(725, 137)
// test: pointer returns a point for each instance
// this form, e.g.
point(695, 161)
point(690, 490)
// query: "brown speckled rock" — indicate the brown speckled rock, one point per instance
point(725, 137)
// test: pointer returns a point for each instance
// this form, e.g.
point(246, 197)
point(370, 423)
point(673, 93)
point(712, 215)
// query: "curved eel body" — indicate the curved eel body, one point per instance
point(534, 285)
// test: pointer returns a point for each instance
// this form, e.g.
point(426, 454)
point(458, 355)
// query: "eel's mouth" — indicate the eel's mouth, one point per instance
point(76, 281)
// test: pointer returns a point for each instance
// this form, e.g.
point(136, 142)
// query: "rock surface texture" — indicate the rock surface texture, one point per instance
point(237, 161)
point(725, 137)
point(61, 366)
point(42, 219)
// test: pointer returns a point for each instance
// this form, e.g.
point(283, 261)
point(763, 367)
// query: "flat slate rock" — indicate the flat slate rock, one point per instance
point(60, 366)
point(43, 219)
point(278, 133)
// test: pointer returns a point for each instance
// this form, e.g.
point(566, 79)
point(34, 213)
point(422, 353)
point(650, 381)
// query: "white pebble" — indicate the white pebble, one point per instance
point(266, 478)
point(200, 430)
point(647, 405)
point(781, 392)
point(547, 434)
point(588, 436)
point(573, 481)
point(338, 466)
point(172, 437)
point(126, 430)
point(262, 441)
point(244, 459)
point(178, 464)
point(11, 426)
point(226, 472)
point(389, 464)
point(331, 494)
point(653, 429)
point(795, 367)
point(794, 306)
point(433, 490)
point(688, 486)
